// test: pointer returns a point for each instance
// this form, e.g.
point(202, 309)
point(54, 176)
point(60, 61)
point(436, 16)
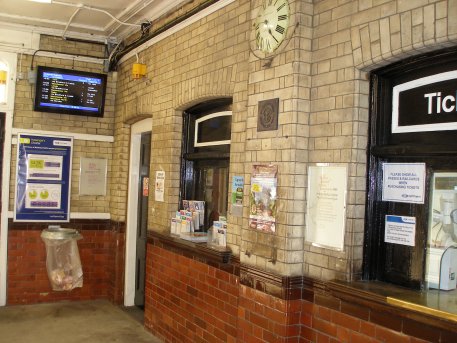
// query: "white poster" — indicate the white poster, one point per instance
point(160, 185)
point(326, 210)
point(92, 180)
point(400, 230)
point(403, 182)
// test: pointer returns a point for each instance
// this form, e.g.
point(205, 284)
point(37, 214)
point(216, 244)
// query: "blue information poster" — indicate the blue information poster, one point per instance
point(43, 176)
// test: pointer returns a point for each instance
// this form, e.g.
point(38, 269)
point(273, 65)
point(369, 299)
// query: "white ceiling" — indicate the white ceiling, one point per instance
point(65, 17)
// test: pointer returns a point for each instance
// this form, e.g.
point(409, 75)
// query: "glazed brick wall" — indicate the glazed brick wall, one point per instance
point(189, 301)
point(116, 267)
point(264, 318)
point(99, 250)
point(322, 324)
point(330, 319)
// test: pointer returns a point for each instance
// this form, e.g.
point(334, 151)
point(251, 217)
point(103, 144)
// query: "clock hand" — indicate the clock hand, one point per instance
point(271, 34)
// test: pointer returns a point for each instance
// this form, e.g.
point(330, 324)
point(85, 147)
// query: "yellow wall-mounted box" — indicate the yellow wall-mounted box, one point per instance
point(138, 70)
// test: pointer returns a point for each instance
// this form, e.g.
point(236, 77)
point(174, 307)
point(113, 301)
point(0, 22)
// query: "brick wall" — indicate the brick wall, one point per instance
point(320, 76)
point(27, 276)
point(191, 300)
point(263, 318)
point(26, 118)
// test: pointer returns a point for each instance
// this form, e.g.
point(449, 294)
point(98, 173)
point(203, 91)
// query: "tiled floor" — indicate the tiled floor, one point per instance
point(73, 322)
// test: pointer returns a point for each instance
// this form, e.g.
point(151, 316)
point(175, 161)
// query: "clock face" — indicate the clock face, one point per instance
point(271, 24)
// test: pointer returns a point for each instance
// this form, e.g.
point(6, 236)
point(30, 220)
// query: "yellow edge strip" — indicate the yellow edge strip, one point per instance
point(422, 309)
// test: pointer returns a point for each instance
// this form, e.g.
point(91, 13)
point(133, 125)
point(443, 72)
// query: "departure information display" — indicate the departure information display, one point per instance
point(67, 91)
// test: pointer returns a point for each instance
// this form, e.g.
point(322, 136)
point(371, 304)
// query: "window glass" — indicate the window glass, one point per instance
point(205, 159)
point(441, 271)
point(213, 128)
point(407, 234)
point(212, 188)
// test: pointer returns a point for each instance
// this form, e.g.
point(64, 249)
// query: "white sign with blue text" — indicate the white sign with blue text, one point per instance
point(403, 182)
point(400, 230)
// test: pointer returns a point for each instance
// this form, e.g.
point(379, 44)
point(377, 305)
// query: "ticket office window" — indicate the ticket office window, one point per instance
point(413, 121)
point(206, 157)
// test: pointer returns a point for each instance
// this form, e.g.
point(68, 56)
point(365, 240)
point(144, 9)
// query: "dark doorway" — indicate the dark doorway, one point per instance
point(142, 227)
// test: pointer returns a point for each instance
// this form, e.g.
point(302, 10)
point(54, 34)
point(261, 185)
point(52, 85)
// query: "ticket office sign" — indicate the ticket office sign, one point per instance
point(43, 175)
point(425, 104)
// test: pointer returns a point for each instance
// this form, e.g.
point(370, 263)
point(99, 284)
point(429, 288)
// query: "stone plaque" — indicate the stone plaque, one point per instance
point(268, 115)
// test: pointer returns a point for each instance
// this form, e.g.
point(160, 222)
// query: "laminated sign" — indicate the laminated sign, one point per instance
point(263, 198)
point(43, 175)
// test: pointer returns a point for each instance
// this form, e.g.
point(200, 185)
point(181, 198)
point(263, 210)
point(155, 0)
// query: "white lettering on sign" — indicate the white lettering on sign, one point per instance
point(440, 104)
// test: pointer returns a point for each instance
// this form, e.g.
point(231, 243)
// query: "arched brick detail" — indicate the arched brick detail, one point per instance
point(383, 41)
point(215, 84)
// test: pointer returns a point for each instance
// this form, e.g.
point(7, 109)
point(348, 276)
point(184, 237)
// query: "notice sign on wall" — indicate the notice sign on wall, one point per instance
point(403, 182)
point(43, 178)
point(263, 198)
point(160, 185)
point(400, 230)
point(92, 179)
point(326, 210)
point(237, 195)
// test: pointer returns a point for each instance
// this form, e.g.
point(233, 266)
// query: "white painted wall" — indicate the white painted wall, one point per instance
point(10, 59)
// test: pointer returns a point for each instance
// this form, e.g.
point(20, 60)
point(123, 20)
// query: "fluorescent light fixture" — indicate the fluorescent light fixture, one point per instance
point(44, 1)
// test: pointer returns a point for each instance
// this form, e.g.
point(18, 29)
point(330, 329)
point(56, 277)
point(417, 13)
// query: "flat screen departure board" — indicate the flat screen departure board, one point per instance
point(70, 92)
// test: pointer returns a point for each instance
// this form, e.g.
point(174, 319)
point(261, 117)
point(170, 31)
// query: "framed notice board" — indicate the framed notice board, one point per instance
point(43, 178)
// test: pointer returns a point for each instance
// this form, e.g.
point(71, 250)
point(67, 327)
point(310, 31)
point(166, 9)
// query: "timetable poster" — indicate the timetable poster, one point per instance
point(43, 175)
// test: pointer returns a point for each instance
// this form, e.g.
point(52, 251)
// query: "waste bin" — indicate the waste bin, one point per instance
point(62, 258)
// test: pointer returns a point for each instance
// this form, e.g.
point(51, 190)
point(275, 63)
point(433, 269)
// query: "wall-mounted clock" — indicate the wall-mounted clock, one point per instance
point(271, 24)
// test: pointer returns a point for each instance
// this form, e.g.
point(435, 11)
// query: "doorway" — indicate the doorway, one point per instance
point(137, 213)
point(142, 226)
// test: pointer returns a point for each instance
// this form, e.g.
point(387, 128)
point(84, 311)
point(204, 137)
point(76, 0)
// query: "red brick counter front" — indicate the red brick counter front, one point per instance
point(190, 298)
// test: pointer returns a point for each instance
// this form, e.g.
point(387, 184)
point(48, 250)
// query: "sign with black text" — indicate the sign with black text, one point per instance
point(403, 182)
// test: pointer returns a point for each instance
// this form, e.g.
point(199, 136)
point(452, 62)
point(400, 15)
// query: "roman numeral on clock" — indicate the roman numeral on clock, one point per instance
point(279, 29)
point(282, 17)
point(279, 8)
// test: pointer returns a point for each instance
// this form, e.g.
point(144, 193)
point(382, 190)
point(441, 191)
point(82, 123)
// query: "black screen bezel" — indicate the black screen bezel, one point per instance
point(39, 86)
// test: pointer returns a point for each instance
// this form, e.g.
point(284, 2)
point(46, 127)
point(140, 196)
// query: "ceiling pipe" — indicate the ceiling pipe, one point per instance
point(49, 22)
point(96, 9)
point(113, 61)
point(135, 8)
point(162, 8)
point(69, 22)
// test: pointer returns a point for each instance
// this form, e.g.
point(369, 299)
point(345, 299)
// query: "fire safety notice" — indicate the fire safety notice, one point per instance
point(403, 182)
